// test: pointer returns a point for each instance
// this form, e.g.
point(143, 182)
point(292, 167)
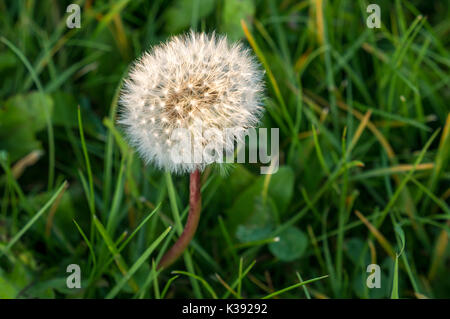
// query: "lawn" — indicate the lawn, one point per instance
point(364, 140)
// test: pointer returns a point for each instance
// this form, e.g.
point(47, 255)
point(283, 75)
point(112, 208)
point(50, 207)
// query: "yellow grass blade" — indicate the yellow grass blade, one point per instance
point(380, 238)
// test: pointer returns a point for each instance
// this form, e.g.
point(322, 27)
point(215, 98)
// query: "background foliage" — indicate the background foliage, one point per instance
point(364, 138)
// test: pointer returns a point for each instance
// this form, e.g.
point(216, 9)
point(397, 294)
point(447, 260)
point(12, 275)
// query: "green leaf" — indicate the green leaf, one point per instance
point(20, 119)
point(65, 110)
point(291, 246)
point(359, 286)
point(394, 294)
point(401, 236)
point(233, 12)
point(354, 247)
point(7, 60)
point(281, 187)
point(279, 193)
point(179, 15)
point(7, 290)
point(260, 223)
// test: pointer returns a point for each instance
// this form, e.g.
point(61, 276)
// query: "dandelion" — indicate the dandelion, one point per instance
point(191, 79)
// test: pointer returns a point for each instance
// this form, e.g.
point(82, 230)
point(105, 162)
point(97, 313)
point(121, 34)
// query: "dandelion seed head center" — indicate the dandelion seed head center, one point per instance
point(191, 79)
point(178, 104)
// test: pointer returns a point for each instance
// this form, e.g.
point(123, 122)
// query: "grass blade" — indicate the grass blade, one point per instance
point(137, 265)
point(34, 219)
point(276, 293)
point(203, 281)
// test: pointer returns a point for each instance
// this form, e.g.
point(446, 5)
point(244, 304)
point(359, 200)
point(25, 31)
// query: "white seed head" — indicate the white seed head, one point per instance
point(191, 79)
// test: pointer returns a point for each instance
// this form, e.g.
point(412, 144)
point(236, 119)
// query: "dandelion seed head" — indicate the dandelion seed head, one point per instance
point(190, 79)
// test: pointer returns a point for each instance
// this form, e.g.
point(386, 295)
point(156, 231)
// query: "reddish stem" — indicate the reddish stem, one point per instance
point(195, 203)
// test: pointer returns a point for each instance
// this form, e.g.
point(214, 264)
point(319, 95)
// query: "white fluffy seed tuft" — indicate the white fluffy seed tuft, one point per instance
point(191, 79)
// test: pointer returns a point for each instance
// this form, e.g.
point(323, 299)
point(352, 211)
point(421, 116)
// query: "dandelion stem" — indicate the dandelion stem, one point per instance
point(191, 225)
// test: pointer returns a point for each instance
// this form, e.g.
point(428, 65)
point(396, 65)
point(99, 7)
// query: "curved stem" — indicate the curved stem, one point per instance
point(191, 225)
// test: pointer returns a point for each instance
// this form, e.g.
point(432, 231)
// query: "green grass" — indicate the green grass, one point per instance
point(364, 155)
